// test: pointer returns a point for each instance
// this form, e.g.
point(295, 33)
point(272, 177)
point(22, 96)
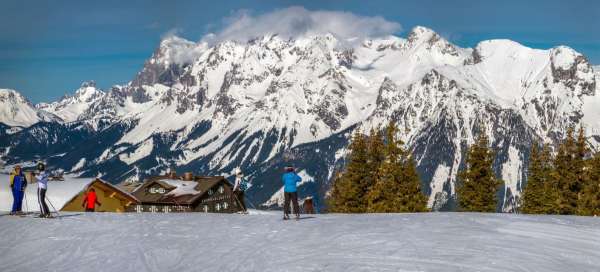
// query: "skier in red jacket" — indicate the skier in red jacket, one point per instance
point(90, 200)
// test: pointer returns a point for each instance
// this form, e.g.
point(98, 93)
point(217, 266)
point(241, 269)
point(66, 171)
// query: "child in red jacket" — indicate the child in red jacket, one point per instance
point(90, 200)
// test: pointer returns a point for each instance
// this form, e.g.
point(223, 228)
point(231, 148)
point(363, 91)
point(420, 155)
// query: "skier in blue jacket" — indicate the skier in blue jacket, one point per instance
point(18, 183)
point(290, 179)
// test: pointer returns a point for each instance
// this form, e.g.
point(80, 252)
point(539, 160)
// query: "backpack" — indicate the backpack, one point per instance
point(243, 184)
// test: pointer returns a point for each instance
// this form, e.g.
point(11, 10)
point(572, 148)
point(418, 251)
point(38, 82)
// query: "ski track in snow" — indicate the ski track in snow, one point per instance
point(263, 242)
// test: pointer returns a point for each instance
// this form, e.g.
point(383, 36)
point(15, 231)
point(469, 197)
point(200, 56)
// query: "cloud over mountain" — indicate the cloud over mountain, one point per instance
point(298, 21)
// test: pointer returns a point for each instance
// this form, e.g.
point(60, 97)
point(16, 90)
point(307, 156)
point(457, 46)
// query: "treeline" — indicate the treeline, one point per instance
point(567, 182)
point(381, 177)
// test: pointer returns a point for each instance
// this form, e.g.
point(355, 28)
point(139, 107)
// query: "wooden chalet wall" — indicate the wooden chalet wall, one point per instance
point(112, 200)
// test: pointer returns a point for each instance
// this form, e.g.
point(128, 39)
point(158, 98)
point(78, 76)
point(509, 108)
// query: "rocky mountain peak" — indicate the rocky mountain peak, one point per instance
point(90, 83)
point(421, 33)
point(16, 110)
point(573, 70)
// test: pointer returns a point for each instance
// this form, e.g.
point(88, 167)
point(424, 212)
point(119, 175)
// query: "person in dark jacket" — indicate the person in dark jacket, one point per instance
point(18, 183)
point(290, 194)
point(90, 200)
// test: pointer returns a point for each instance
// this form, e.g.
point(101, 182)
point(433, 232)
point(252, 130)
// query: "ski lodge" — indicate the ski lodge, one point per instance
point(112, 198)
point(188, 193)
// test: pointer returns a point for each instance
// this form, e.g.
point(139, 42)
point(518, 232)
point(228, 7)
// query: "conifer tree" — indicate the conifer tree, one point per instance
point(477, 186)
point(412, 198)
point(534, 190)
point(589, 202)
point(581, 151)
point(398, 187)
point(537, 195)
point(565, 177)
point(383, 194)
point(375, 157)
point(347, 194)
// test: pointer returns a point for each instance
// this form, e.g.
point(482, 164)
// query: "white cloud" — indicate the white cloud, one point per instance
point(180, 50)
point(297, 21)
point(287, 23)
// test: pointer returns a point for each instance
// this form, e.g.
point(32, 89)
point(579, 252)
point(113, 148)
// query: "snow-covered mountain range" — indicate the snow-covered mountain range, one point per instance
point(268, 102)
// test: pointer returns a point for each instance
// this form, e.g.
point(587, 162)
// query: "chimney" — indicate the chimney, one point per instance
point(172, 173)
point(188, 176)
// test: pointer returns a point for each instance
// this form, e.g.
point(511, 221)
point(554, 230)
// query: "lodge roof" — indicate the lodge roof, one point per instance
point(106, 185)
point(179, 191)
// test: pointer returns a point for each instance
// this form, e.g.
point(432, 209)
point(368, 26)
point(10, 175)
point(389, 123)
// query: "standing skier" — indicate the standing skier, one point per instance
point(18, 183)
point(240, 186)
point(90, 200)
point(289, 179)
point(42, 180)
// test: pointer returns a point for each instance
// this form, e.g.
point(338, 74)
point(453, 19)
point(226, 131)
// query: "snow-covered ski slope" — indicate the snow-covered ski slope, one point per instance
point(263, 242)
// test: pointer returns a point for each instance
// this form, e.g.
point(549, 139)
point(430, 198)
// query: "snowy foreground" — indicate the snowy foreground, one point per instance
point(263, 242)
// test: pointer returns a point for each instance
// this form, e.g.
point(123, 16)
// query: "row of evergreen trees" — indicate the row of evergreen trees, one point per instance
point(566, 183)
point(380, 177)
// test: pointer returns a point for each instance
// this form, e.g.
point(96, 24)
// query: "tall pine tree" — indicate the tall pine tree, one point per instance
point(537, 198)
point(477, 186)
point(398, 187)
point(375, 157)
point(580, 162)
point(412, 198)
point(382, 196)
point(589, 201)
point(565, 177)
point(348, 192)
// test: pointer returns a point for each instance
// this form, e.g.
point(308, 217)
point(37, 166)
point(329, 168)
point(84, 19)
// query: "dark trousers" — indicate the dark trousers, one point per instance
point(42, 201)
point(293, 197)
point(90, 210)
point(239, 198)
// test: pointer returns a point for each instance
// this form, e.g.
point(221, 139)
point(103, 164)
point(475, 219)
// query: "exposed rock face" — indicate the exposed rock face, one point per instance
point(270, 102)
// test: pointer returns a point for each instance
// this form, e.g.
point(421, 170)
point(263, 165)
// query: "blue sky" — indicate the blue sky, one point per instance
point(47, 48)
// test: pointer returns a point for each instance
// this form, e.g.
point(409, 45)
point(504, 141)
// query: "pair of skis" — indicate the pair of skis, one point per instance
point(31, 215)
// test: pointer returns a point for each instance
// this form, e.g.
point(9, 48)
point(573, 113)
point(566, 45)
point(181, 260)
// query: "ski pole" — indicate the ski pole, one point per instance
point(249, 201)
point(52, 205)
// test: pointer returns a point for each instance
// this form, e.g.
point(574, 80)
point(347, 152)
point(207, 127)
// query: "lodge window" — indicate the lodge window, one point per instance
point(157, 190)
point(225, 205)
point(218, 206)
point(210, 192)
point(205, 208)
point(221, 189)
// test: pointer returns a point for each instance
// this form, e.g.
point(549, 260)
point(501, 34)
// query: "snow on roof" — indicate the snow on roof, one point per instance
point(182, 187)
point(180, 191)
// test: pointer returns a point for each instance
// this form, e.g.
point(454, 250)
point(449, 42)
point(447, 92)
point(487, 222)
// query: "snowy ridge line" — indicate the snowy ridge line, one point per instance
point(257, 103)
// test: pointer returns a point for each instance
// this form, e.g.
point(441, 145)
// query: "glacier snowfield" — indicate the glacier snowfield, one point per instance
point(261, 241)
